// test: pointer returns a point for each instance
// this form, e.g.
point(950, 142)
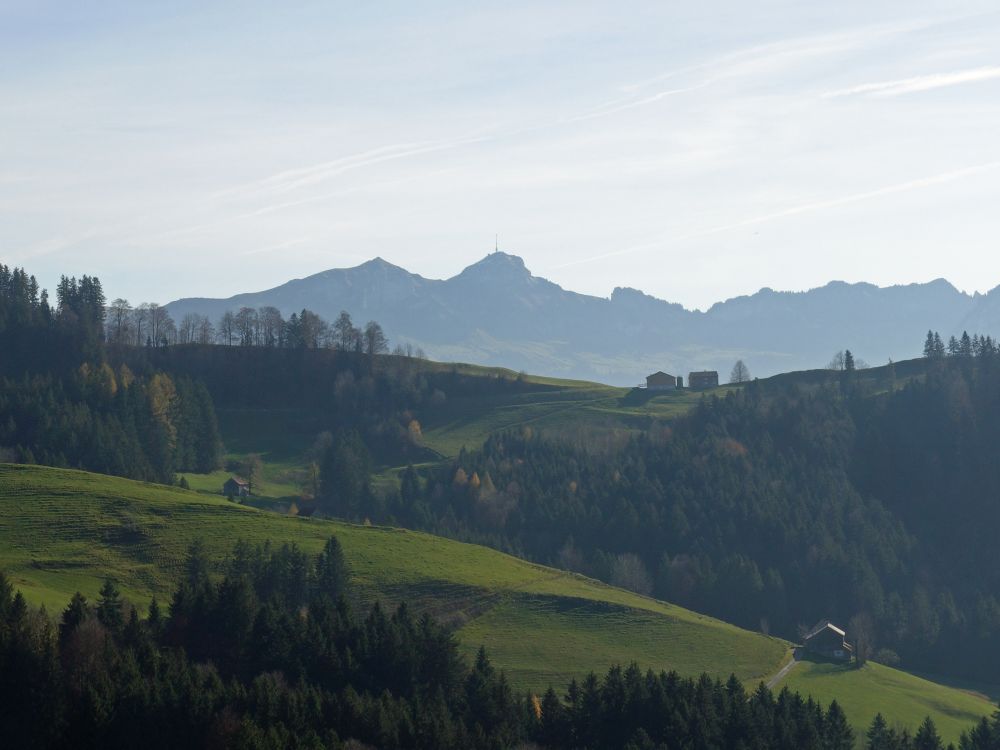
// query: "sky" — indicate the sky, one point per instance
point(696, 151)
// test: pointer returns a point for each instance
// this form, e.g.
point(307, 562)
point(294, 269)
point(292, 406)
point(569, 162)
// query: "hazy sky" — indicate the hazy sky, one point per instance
point(695, 150)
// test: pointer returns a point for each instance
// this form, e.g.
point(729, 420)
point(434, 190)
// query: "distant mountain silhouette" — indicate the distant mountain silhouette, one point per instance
point(496, 312)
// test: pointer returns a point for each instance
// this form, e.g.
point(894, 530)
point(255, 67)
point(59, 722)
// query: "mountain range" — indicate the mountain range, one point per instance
point(496, 312)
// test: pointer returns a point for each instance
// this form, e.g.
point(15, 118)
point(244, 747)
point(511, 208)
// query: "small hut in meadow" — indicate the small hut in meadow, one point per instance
point(829, 641)
point(236, 487)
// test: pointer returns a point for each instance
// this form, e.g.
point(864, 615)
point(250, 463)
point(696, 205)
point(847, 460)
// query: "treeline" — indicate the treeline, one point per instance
point(272, 656)
point(96, 386)
point(964, 346)
point(63, 402)
point(150, 324)
point(772, 508)
point(109, 421)
point(37, 337)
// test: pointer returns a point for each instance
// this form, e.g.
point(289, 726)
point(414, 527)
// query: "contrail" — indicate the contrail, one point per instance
point(918, 83)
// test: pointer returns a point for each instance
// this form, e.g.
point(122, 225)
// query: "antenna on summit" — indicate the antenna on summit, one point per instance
point(496, 244)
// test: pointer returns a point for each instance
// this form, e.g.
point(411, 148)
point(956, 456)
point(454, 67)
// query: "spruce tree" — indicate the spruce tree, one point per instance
point(929, 345)
point(939, 350)
point(927, 737)
point(109, 607)
point(331, 570)
point(837, 733)
point(965, 346)
point(878, 734)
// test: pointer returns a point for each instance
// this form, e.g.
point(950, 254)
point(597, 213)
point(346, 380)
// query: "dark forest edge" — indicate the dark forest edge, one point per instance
point(72, 397)
point(270, 655)
point(772, 508)
point(864, 500)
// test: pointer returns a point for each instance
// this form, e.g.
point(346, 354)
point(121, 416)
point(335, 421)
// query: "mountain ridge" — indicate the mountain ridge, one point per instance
point(496, 312)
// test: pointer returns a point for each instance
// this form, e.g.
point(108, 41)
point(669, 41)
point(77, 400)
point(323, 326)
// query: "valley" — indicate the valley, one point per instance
point(62, 531)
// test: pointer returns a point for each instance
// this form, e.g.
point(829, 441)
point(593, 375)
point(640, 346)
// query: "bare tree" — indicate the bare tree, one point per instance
point(313, 329)
point(119, 315)
point(158, 323)
point(140, 323)
point(740, 373)
point(205, 331)
point(246, 326)
point(629, 572)
point(167, 330)
point(344, 332)
point(227, 328)
point(270, 324)
point(253, 467)
point(375, 340)
point(837, 363)
point(188, 326)
point(861, 630)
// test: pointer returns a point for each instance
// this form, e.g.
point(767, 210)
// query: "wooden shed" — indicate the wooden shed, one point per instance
point(661, 381)
point(236, 487)
point(826, 639)
point(703, 379)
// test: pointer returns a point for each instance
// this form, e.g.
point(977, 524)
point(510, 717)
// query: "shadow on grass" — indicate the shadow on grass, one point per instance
point(637, 397)
point(836, 665)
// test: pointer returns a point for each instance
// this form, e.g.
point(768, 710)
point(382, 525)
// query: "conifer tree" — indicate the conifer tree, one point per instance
point(929, 345)
point(927, 737)
point(965, 346)
point(109, 607)
point(837, 733)
point(331, 570)
point(939, 350)
point(848, 361)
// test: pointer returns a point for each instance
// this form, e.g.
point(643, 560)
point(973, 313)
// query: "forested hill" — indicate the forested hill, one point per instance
point(852, 496)
point(865, 496)
point(496, 312)
point(65, 402)
point(272, 656)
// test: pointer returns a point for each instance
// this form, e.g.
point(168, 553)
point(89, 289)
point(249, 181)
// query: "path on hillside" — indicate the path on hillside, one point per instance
point(796, 656)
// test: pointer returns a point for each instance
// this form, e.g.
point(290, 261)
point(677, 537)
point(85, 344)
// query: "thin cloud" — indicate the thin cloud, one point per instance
point(749, 61)
point(918, 83)
point(605, 110)
point(902, 187)
point(787, 52)
point(302, 185)
point(297, 173)
point(300, 177)
point(790, 52)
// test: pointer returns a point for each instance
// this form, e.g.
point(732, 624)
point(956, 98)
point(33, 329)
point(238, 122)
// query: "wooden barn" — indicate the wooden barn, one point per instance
point(236, 487)
point(661, 381)
point(703, 379)
point(826, 639)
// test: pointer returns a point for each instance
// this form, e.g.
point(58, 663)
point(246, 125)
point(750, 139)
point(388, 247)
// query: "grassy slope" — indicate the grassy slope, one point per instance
point(576, 407)
point(573, 406)
point(542, 625)
point(63, 530)
point(282, 437)
point(901, 697)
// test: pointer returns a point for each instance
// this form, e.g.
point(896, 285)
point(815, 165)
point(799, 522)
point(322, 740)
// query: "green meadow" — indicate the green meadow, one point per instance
point(63, 530)
point(904, 699)
point(282, 437)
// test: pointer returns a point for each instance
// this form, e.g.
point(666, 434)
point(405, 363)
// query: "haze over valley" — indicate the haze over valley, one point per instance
point(500, 376)
point(496, 312)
